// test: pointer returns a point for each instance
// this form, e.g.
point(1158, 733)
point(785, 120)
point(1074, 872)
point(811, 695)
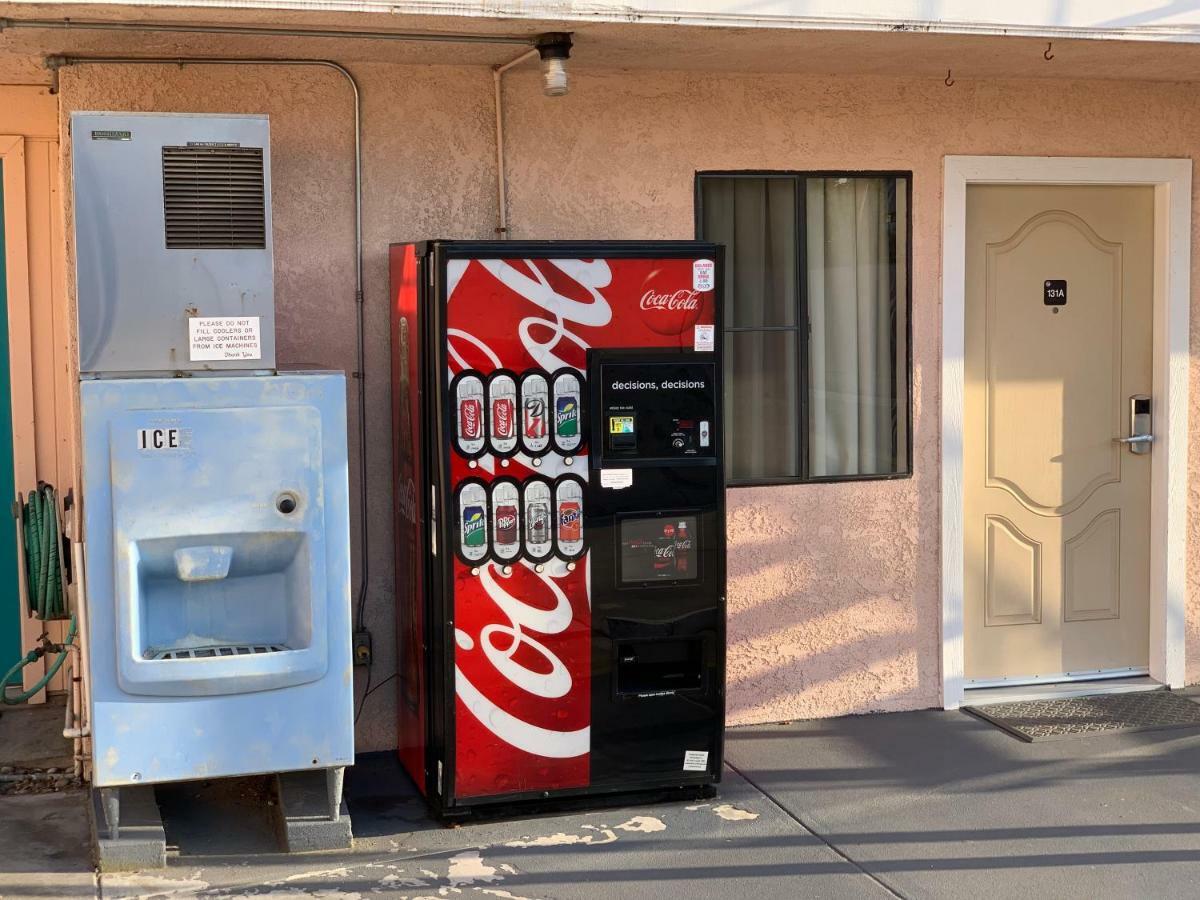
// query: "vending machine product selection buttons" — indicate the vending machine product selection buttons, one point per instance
point(568, 517)
point(502, 412)
point(535, 414)
point(568, 411)
point(538, 500)
point(506, 520)
point(470, 430)
point(471, 506)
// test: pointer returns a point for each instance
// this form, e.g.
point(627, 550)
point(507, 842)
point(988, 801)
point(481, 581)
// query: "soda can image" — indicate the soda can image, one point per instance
point(568, 411)
point(502, 403)
point(467, 390)
point(537, 499)
point(566, 416)
point(502, 418)
point(472, 521)
point(535, 412)
point(568, 517)
point(506, 519)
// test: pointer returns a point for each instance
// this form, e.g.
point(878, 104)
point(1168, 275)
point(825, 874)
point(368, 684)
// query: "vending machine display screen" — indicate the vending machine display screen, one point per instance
point(658, 549)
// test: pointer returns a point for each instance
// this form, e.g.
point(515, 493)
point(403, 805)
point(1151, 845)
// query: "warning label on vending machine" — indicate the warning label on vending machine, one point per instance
point(224, 338)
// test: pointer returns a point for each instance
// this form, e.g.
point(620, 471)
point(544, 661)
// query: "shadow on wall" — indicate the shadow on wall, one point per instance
point(831, 610)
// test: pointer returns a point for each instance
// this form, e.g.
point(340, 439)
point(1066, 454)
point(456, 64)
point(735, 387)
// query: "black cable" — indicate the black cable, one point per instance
point(368, 691)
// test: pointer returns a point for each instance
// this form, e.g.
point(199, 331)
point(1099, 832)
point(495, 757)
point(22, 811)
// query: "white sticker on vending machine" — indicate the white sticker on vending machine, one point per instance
point(472, 521)
point(502, 413)
point(469, 437)
point(506, 520)
point(539, 518)
point(568, 411)
point(568, 517)
point(535, 413)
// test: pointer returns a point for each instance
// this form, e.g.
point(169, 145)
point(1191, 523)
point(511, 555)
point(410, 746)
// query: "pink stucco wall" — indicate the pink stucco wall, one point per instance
point(834, 589)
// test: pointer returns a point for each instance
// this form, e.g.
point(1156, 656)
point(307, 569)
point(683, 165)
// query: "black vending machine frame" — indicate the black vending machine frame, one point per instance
point(437, 500)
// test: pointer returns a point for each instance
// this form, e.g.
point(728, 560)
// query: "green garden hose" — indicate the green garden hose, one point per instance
point(42, 542)
point(43, 576)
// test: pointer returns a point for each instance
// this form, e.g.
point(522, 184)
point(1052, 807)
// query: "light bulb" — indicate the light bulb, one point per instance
point(554, 74)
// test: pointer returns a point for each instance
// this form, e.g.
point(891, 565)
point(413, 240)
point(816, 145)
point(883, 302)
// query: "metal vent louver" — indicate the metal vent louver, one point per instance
point(214, 198)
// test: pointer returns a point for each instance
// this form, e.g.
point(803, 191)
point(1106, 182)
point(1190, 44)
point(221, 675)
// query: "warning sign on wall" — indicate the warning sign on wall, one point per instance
point(225, 338)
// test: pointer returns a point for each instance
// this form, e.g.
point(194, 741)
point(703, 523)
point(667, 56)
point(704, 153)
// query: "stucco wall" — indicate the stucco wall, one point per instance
point(834, 593)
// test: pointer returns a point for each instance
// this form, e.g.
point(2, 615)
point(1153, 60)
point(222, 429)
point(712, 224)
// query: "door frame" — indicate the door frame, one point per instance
point(1172, 183)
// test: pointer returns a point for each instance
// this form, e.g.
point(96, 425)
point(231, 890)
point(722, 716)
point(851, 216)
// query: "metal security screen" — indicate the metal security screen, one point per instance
point(214, 198)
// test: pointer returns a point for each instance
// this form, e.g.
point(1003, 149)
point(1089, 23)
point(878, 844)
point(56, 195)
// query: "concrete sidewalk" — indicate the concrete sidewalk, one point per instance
point(927, 804)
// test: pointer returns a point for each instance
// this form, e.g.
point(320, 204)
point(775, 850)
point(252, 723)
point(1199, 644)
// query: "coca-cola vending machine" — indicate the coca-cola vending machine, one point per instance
point(560, 564)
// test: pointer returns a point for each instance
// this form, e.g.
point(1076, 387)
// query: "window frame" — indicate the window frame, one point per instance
point(802, 328)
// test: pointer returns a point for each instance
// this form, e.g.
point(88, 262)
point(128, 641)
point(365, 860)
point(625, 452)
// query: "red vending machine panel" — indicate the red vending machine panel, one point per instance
point(512, 669)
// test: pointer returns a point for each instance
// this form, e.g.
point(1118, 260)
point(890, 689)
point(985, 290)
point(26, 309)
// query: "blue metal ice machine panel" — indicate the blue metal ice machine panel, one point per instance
point(217, 516)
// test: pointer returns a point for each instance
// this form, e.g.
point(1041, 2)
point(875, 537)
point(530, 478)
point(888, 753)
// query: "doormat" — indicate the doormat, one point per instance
point(1075, 717)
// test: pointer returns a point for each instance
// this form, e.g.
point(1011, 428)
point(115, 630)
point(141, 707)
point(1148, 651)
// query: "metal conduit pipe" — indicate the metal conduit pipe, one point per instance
point(56, 63)
point(261, 31)
point(501, 189)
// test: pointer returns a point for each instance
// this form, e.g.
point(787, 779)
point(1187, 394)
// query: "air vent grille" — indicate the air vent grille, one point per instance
point(214, 198)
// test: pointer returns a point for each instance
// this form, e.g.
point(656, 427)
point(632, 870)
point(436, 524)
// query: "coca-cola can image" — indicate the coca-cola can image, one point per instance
point(502, 417)
point(502, 399)
point(535, 412)
point(568, 516)
point(467, 391)
point(506, 524)
point(470, 419)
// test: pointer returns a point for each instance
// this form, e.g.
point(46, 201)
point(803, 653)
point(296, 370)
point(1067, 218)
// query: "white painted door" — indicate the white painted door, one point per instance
point(1056, 512)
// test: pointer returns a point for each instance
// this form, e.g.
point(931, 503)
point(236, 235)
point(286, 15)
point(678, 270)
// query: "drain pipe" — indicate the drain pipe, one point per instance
point(501, 190)
point(56, 63)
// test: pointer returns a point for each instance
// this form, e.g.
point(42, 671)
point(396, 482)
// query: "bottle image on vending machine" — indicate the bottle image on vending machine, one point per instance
point(506, 520)
point(535, 413)
point(472, 521)
point(468, 428)
point(568, 517)
point(502, 409)
point(568, 412)
point(537, 498)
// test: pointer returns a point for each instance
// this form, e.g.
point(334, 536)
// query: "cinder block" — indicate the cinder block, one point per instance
point(304, 820)
point(141, 841)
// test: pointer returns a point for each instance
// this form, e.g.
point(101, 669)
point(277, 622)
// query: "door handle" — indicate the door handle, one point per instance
point(1140, 437)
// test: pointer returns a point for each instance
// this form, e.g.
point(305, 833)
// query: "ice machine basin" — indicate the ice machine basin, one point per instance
point(218, 524)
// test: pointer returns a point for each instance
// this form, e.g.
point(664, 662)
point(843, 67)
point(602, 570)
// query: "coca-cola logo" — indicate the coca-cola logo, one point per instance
point(672, 311)
point(681, 299)
point(502, 416)
point(470, 419)
point(665, 552)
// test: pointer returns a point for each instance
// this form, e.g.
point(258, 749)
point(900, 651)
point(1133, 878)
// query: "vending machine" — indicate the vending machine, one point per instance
point(560, 553)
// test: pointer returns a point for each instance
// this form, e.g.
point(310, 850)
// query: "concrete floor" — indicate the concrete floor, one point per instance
point(926, 804)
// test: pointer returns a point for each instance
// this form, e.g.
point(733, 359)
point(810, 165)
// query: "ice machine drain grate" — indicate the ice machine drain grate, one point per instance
point(211, 652)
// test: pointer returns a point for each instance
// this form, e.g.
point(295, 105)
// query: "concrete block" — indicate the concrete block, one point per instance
point(141, 841)
point(305, 823)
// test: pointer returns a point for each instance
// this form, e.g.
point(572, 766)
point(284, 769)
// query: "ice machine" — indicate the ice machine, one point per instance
point(215, 497)
point(559, 518)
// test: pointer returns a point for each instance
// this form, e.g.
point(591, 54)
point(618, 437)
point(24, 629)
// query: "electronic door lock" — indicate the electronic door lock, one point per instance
point(1140, 436)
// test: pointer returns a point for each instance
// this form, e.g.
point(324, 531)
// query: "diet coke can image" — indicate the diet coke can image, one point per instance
point(568, 517)
point(467, 390)
point(537, 498)
point(502, 401)
point(506, 519)
point(535, 413)
point(568, 411)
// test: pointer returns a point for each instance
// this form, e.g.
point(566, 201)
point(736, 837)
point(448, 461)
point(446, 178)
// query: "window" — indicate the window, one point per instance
point(816, 322)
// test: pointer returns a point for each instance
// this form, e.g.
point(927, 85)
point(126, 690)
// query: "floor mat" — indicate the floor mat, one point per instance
point(1076, 717)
